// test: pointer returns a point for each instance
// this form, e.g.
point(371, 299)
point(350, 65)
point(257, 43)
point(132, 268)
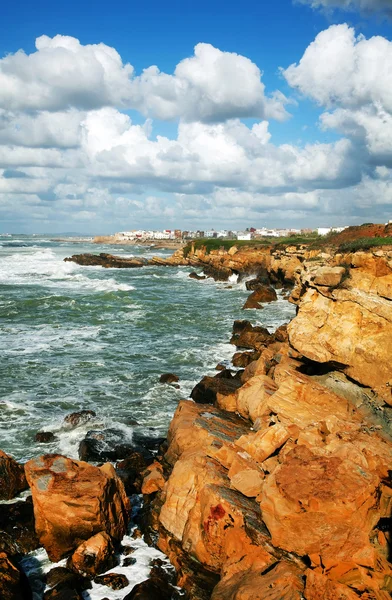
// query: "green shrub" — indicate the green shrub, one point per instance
point(365, 243)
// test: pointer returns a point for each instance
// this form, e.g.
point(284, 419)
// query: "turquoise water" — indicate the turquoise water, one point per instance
point(75, 337)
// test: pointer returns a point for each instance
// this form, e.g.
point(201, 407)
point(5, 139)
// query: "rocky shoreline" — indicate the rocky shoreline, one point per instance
point(275, 479)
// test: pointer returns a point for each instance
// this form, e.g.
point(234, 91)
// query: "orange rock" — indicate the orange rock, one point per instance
point(73, 501)
point(11, 587)
point(262, 444)
point(328, 276)
point(94, 556)
point(321, 505)
point(253, 396)
point(283, 582)
point(245, 475)
point(319, 587)
point(12, 477)
point(153, 480)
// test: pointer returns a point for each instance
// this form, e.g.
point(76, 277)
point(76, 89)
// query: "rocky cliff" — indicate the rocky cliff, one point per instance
point(280, 487)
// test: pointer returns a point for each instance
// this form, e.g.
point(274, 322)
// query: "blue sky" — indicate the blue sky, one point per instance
point(272, 36)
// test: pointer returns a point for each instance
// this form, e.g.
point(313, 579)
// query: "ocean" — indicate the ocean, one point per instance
point(74, 337)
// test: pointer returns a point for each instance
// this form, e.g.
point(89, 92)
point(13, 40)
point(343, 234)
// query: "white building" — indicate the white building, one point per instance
point(244, 236)
point(326, 230)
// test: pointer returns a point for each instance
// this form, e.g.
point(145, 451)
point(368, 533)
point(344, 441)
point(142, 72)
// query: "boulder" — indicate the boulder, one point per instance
point(243, 359)
point(73, 501)
point(12, 477)
point(108, 261)
point(13, 585)
point(322, 505)
point(208, 389)
point(79, 418)
point(44, 437)
point(94, 556)
point(260, 295)
point(62, 578)
point(17, 520)
point(194, 275)
point(105, 445)
point(328, 276)
point(169, 378)
point(116, 581)
point(247, 336)
point(130, 472)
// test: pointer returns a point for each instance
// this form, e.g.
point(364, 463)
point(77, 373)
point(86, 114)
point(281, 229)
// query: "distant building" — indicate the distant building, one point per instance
point(326, 230)
point(244, 236)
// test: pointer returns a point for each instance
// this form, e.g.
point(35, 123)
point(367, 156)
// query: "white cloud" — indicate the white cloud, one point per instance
point(210, 86)
point(339, 68)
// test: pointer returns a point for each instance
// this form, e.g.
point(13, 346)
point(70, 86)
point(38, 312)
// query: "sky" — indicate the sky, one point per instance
point(194, 115)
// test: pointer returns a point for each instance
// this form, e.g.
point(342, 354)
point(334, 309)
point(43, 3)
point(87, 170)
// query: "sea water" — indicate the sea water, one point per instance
point(75, 337)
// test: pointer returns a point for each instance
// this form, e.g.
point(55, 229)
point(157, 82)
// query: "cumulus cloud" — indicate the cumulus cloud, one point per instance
point(339, 68)
point(365, 6)
point(210, 86)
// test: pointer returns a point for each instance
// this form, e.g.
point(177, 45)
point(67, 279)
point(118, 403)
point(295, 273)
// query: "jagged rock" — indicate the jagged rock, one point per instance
point(44, 437)
point(283, 582)
point(243, 359)
point(79, 418)
point(328, 276)
point(73, 501)
point(62, 578)
point(63, 594)
point(115, 581)
point(12, 477)
point(260, 295)
point(13, 584)
point(94, 556)
point(247, 336)
point(153, 479)
point(130, 472)
point(208, 389)
point(17, 520)
point(106, 445)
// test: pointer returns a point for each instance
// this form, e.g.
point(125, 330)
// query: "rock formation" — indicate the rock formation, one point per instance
point(74, 501)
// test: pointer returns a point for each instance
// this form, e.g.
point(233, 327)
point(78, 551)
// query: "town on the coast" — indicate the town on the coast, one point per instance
point(250, 233)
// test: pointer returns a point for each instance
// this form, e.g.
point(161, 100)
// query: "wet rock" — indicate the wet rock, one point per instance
point(169, 378)
point(13, 584)
point(104, 445)
point(243, 359)
point(63, 594)
point(209, 388)
point(73, 501)
point(107, 261)
point(17, 520)
point(44, 437)
point(130, 472)
point(157, 587)
point(194, 275)
point(260, 296)
point(247, 336)
point(94, 556)
point(127, 550)
point(63, 578)
point(12, 477)
point(115, 581)
point(79, 418)
point(129, 561)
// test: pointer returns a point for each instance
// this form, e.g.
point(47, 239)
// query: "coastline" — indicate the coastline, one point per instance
point(296, 401)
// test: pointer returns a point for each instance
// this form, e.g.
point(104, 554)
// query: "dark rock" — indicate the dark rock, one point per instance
point(79, 418)
point(13, 582)
point(243, 359)
point(112, 580)
point(247, 336)
point(157, 587)
point(62, 578)
point(260, 281)
point(12, 477)
point(44, 437)
point(107, 261)
point(17, 520)
point(129, 561)
point(132, 422)
point(169, 378)
point(127, 550)
point(129, 470)
point(220, 367)
point(206, 390)
point(194, 275)
point(104, 445)
point(218, 273)
point(63, 594)
point(281, 334)
point(261, 295)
